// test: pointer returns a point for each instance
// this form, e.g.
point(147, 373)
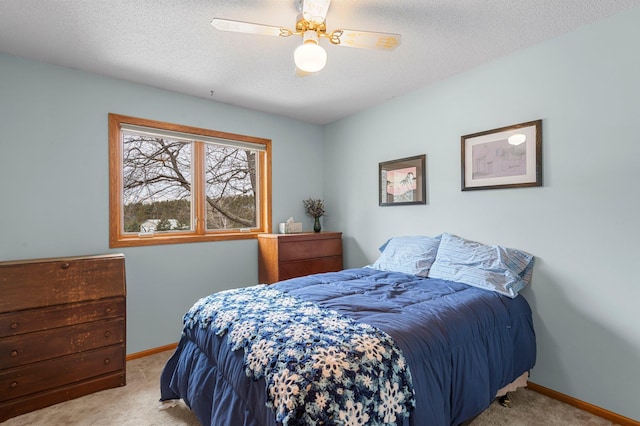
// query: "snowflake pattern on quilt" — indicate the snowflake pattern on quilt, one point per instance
point(320, 366)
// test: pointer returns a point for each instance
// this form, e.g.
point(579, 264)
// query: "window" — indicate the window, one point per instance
point(177, 184)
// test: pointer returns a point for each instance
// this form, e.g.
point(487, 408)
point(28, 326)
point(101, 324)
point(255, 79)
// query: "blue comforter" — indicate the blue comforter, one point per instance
point(461, 344)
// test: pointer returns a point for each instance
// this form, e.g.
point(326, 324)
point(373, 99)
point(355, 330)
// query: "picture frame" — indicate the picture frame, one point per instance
point(507, 157)
point(402, 181)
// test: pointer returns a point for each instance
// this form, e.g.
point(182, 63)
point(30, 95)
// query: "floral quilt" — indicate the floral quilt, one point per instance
point(320, 367)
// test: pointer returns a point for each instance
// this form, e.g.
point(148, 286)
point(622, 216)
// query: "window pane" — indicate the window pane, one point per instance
point(157, 183)
point(231, 187)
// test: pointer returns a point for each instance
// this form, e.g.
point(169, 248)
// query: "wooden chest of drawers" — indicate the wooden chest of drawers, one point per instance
point(284, 256)
point(62, 330)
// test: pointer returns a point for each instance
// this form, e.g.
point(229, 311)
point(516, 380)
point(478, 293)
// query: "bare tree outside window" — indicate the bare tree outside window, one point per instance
point(156, 184)
point(230, 176)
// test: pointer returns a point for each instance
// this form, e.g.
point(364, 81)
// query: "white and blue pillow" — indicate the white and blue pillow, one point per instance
point(495, 268)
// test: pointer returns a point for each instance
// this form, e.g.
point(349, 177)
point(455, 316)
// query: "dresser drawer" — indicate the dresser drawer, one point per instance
point(54, 282)
point(32, 347)
point(308, 267)
point(31, 320)
point(32, 378)
point(309, 249)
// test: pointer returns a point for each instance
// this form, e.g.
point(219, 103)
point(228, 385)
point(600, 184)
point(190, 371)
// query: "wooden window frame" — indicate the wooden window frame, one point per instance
point(117, 236)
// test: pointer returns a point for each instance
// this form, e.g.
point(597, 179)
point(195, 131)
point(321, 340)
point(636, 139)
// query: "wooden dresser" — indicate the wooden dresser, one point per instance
point(62, 330)
point(284, 256)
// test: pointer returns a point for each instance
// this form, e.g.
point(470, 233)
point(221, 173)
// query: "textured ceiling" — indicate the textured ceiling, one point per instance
point(170, 44)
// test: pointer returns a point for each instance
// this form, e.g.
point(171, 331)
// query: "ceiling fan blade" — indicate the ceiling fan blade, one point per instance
point(248, 27)
point(365, 39)
point(315, 11)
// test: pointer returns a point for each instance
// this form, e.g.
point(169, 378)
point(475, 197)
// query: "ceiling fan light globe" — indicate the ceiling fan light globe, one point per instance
point(310, 57)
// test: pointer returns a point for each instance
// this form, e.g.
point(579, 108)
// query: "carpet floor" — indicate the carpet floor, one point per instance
point(136, 404)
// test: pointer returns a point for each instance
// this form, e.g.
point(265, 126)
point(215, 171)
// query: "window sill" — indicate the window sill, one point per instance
point(159, 239)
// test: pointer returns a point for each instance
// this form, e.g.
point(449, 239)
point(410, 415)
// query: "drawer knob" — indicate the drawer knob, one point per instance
point(107, 334)
point(107, 361)
point(14, 325)
point(14, 353)
point(108, 309)
point(13, 385)
point(65, 265)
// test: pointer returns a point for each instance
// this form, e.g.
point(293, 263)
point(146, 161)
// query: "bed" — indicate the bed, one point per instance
point(429, 334)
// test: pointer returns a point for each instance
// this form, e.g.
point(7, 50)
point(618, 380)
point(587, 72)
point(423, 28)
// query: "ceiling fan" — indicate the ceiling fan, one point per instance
point(310, 57)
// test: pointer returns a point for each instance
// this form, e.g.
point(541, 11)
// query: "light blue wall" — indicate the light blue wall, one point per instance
point(582, 225)
point(54, 185)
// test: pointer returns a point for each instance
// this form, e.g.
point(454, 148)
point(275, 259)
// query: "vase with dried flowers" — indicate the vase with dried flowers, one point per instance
point(315, 209)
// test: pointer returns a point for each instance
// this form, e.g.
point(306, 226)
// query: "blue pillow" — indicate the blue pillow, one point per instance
point(411, 255)
point(495, 268)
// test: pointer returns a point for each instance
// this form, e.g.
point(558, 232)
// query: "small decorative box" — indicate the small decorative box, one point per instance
point(290, 227)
